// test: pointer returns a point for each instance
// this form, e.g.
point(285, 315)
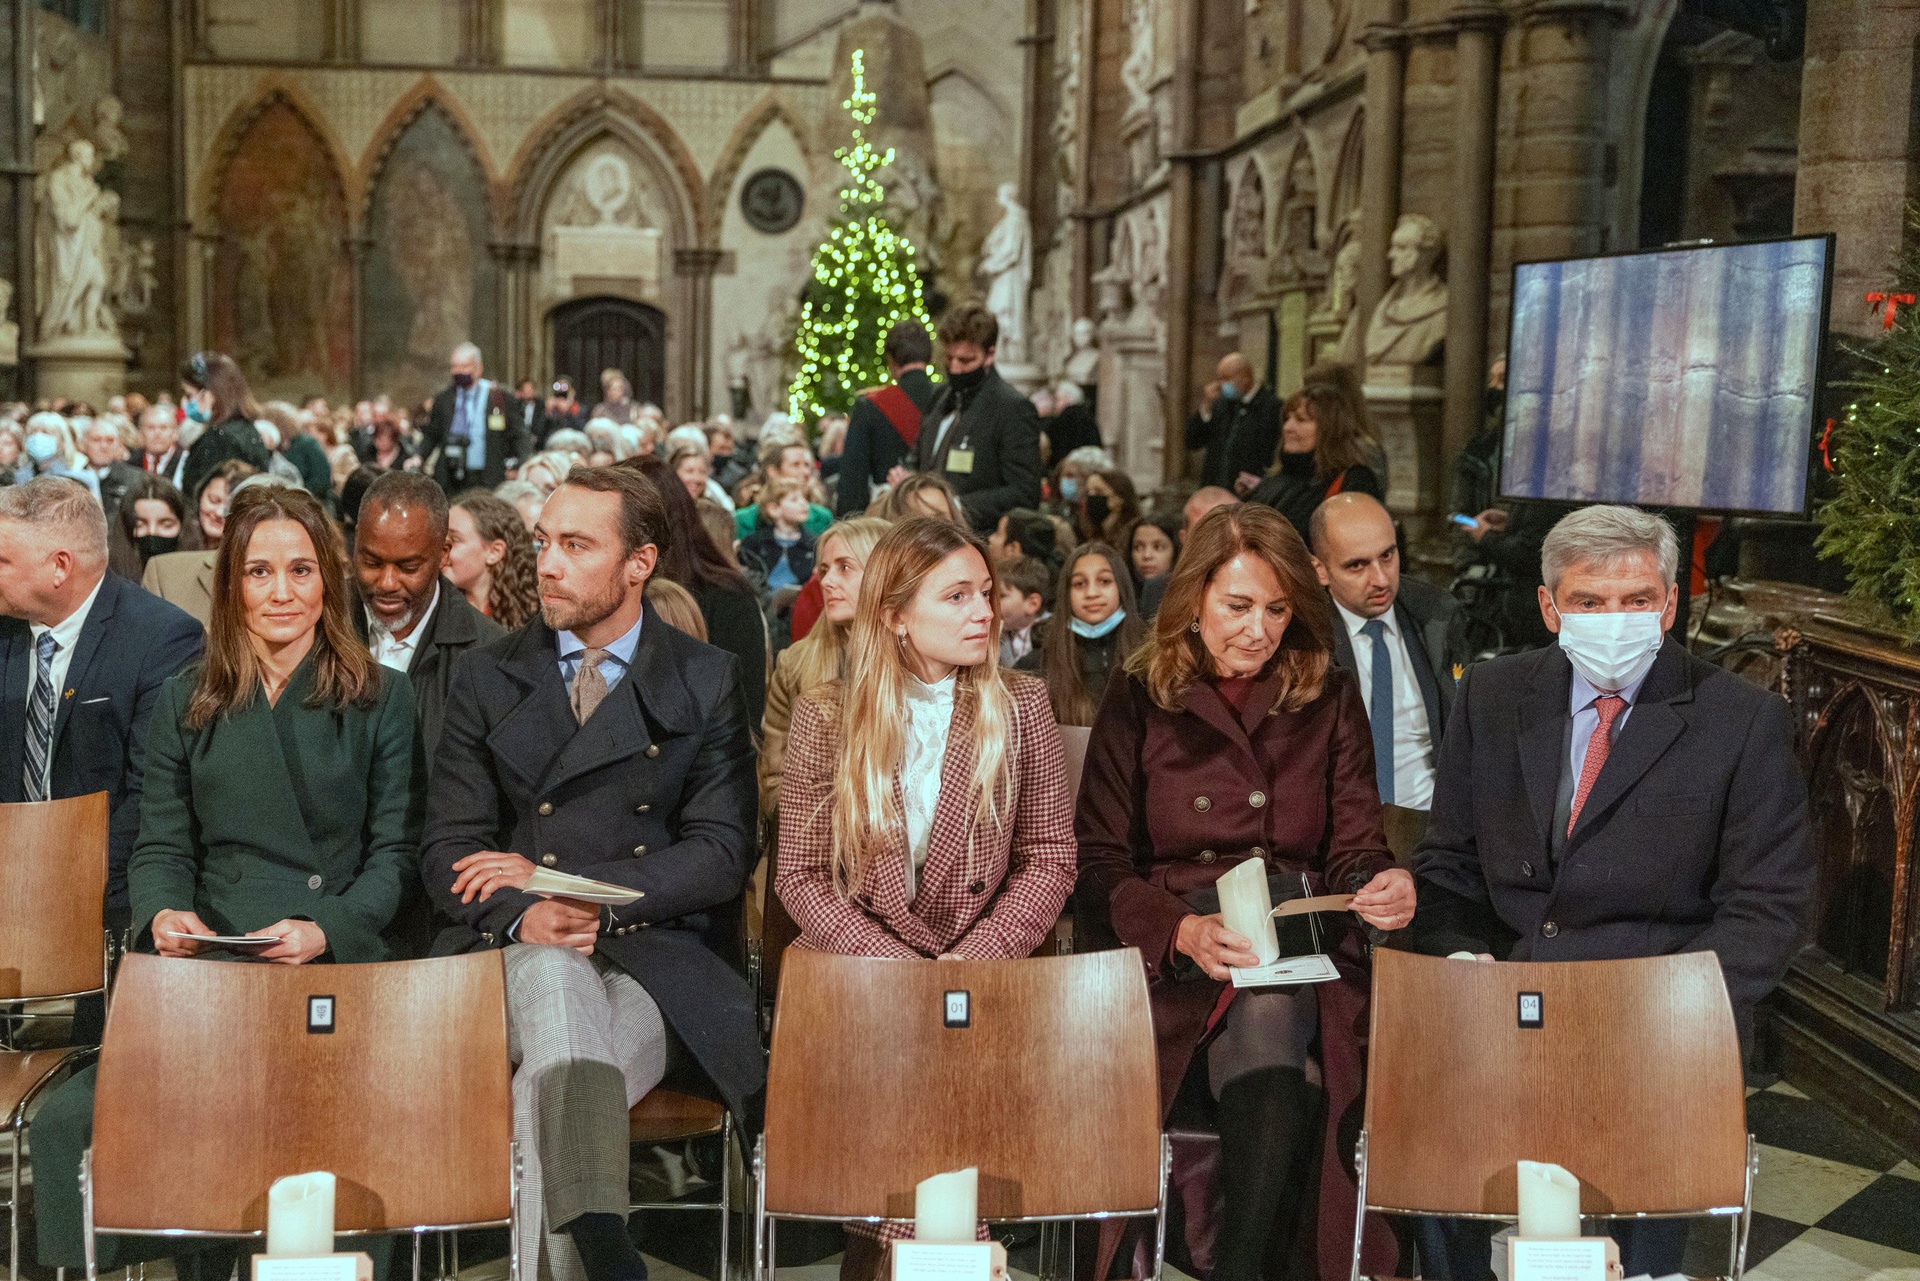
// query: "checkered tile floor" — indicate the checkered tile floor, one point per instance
point(1832, 1202)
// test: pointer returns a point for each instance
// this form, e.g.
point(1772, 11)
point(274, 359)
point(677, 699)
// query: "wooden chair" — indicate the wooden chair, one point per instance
point(1632, 1082)
point(870, 1091)
point(672, 1116)
point(53, 946)
point(211, 1071)
point(1075, 739)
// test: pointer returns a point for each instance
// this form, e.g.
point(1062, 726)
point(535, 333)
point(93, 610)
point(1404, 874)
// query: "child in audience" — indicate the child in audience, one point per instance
point(1156, 546)
point(1102, 630)
point(1024, 588)
point(780, 543)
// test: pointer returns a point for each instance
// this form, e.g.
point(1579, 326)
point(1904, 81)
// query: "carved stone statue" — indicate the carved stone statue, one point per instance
point(1410, 324)
point(77, 223)
point(9, 330)
point(108, 136)
point(1245, 231)
point(1342, 290)
point(1136, 73)
point(739, 376)
point(135, 277)
point(1006, 263)
point(1083, 362)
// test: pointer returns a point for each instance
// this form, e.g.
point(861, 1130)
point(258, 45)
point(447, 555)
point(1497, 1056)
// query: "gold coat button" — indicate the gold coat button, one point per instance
point(1256, 852)
point(486, 937)
point(1202, 804)
point(1207, 856)
point(642, 809)
point(1257, 799)
point(653, 749)
point(639, 850)
point(546, 808)
point(548, 860)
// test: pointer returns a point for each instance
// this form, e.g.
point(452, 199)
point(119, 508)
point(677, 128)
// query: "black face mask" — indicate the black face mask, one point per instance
point(151, 545)
point(1098, 509)
point(463, 381)
point(968, 383)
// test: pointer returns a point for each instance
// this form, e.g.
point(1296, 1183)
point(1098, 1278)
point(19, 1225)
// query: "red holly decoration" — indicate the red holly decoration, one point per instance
point(1892, 301)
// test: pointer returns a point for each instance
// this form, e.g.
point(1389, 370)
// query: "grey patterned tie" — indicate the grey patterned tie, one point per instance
point(40, 718)
point(589, 684)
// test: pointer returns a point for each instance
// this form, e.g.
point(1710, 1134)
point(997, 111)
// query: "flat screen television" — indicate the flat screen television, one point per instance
point(1684, 377)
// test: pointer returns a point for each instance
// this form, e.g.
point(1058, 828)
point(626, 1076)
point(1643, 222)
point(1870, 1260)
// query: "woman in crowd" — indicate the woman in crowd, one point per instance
point(727, 602)
point(216, 395)
point(152, 521)
point(692, 466)
point(1102, 628)
point(1234, 737)
point(283, 795)
point(1154, 548)
point(878, 856)
point(15, 467)
point(50, 451)
point(1324, 450)
point(923, 494)
point(527, 499)
point(546, 470)
point(1070, 477)
point(1108, 509)
point(783, 455)
point(216, 491)
point(384, 446)
point(676, 607)
point(490, 558)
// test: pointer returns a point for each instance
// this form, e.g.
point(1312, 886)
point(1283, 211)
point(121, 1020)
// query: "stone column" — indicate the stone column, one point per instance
point(698, 266)
point(1081, 232)
point(1476, 70)
point(26, 305)
point(1183, 196)
point(1858, 153)
point(358, 247)
point(1385, 40)
point(1558, 204)
point(341, 39)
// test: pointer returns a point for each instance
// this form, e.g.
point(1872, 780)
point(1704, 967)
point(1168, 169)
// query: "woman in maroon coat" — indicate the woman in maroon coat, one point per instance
point(1232, 737)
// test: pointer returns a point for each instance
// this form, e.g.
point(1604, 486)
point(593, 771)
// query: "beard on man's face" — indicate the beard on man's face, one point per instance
point(571, 611)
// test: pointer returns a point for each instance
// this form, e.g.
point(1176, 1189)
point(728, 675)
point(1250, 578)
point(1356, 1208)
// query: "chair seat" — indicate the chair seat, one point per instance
point(667, 1116)
point(23, 1072)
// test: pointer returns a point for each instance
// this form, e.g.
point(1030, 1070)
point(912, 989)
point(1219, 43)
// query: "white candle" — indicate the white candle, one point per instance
point(1549, 1202)
point(1247, 909)
point(946, 1208)
point(300, 1215)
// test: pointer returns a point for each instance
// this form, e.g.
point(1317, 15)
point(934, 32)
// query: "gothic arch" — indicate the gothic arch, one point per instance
point(426, 95)
point(597, 114)
point(1343, 193)
point(272, 90)
point(764, 114)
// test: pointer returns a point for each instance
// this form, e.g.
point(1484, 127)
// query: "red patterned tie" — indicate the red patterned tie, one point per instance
point(1598, 746)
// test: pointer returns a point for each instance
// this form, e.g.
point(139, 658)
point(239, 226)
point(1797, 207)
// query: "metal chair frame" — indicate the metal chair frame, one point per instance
point(732, 1163)
point(416, 1231)
point(765, 1237)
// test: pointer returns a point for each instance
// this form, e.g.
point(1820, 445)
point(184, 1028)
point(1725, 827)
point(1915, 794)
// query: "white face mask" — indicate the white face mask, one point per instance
point(1611, 650)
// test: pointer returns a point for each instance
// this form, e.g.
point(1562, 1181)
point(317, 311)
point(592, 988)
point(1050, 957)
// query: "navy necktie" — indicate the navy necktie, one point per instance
point(40, 719)
point(1380, 708)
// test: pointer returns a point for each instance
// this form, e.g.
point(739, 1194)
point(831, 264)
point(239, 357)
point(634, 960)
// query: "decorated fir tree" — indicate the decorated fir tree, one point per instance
point(1872, 522)
point(863, 283)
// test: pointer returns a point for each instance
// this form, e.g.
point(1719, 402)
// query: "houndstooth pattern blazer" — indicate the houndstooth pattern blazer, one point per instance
point(983, 894)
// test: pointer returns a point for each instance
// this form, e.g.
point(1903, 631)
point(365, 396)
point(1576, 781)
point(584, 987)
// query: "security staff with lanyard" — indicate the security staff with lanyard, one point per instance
point(981, 435)
point(473, 436)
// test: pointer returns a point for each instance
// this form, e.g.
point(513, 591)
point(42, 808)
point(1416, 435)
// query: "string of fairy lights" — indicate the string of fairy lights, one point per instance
point(864, 281)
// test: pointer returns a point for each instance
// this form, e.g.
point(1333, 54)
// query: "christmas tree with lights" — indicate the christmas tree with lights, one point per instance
point(863, 283)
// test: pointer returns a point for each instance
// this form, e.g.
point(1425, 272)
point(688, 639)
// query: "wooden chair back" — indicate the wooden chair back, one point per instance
point(1052, 1090)
point(211, 1087)
point(53, 885)
point(1632, 1082)
point(1075, 739)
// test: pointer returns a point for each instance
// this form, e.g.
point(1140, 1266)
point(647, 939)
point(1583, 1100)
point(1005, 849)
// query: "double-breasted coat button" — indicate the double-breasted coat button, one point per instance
point(546, 808)
point(1207, 856)
point(314, 882)
point(639, 850)
point(548, 860)
point(1526, 868)
point(1257, 799)
point(641, 809)
point(1202, 804)
point(486, 937)
point(978, 887)
point(1256, 852)
point(1551, 929)
point(653, 749)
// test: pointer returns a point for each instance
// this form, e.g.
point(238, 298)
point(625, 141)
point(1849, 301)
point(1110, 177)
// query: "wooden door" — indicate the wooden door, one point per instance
point(592, 334)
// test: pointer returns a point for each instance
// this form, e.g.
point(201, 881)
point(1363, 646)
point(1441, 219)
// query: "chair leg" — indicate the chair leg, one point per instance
point(761, 1272)
point(86, 1212)
point(726, 1196)
point(1160, 1218)
point(513, 1208)
point(1360, 1204)
point(416, 1256)
point(1745, 1223)
point(13, 1207)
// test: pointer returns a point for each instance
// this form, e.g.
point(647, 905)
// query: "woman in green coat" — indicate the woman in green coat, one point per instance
point(283, 799)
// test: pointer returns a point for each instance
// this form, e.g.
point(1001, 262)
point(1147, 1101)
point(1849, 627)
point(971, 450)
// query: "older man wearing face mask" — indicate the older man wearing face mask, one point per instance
point(1616, 797)
point(1238, 425)
point(473, 436)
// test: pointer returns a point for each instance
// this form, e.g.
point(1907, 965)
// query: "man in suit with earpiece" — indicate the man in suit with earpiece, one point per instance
point(473, 436)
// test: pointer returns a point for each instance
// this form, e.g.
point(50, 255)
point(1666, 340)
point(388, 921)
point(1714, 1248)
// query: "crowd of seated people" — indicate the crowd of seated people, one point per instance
point(349, 677)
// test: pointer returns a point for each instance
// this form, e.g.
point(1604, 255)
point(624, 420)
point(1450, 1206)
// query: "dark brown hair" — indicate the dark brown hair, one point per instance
point(123, 556)
point(1073, 703)
point(1330, 395)
point(344, 673)
point(970, 322)
point(643, 517)
point(1174, 656)
point(907, 344)
point(692, 559)
point(214, 372)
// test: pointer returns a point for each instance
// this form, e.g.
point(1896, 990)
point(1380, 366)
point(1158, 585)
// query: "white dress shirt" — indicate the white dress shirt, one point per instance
point(391, 652)
point(929, 717)
point(1412, 735)
point(66, 634)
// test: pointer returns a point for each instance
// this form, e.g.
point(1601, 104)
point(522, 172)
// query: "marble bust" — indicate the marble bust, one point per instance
point(1410, 323)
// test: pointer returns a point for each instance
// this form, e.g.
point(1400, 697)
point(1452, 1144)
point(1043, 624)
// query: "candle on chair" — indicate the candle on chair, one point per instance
point(1246, 907)
point(946, 1208)
point(300, 1215)
point(1549, 1201)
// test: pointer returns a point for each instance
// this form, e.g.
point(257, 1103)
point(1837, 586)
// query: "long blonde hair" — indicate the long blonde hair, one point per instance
point(873, 701)
point(822, 655)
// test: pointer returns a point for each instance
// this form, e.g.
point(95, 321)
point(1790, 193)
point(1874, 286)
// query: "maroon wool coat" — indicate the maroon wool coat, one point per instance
point(1171, 800)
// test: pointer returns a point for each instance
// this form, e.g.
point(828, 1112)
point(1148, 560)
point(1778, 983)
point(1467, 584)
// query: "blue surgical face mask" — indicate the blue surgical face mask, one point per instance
point(1229, 392)
point(194, 411)
point(1070, 488)
point(1094, 631)
point(42, 448)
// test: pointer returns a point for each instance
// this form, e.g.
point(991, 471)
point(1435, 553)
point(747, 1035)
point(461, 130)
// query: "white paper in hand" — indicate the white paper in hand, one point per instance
point(228, 940)
point(546, 883)
point(1315, 967)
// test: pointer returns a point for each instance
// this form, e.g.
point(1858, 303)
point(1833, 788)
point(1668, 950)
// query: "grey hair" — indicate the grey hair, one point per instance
point(1089, 458)
point(54, 503)
point(1606, 535)
point(468, 351)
